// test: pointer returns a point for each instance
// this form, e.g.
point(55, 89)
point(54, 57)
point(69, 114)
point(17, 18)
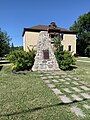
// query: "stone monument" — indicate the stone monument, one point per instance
point(45, 59)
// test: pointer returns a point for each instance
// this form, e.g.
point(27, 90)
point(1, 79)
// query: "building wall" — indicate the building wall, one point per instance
point(30, 40)
point(69, 39)
point(24, 42)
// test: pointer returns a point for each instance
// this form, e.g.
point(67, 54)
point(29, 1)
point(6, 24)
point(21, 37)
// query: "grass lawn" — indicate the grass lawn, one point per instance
point(27, 97)
point(82, 71)
point(83, 58)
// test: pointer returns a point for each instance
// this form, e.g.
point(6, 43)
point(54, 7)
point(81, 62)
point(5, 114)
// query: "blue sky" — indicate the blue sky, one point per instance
point(17, 14)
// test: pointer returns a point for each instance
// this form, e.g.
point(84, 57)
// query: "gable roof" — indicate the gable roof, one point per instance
point(39, 28)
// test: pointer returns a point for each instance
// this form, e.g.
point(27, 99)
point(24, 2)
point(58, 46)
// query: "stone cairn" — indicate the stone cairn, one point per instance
point(45, 59)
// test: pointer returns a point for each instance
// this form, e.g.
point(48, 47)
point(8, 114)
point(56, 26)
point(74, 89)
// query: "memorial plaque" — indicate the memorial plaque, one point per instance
point(46, 54)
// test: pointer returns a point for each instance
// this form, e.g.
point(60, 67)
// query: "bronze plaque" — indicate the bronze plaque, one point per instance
point(46, 54)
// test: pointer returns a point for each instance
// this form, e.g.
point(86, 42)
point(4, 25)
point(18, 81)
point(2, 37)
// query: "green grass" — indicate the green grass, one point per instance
point(27, 97)
point(82, 71)
point(83, 58)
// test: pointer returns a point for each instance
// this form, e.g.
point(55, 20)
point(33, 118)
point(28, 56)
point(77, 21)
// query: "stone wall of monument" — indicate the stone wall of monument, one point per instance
point(45, 58)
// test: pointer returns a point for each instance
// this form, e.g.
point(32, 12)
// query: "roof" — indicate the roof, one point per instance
point(39, 28)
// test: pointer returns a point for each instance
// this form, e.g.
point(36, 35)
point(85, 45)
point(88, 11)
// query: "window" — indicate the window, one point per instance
point(52, 35)
point(69, 48)
point(62, 35)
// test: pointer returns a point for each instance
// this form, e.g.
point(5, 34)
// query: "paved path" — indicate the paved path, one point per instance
point(81, 112)
point(67, 88)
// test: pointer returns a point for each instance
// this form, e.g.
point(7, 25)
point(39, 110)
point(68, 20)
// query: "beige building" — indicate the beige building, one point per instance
point(67, 37)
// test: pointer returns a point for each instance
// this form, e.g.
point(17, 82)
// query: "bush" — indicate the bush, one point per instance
point(22, 60)
point(64, 59)
point(87, 51)
point(76, 55)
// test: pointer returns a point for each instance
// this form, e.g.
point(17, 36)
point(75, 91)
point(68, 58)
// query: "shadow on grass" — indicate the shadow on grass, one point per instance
point(1, 67)
point(4, 62)
point(72, 68)
point(39, 108)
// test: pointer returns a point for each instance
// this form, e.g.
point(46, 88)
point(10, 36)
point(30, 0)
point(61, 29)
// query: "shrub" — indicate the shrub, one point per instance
point(76, 55)
point(22, 60)
point(87, 51)
point(64, 59)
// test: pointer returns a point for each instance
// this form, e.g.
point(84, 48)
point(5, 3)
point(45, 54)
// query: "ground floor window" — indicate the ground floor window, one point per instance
point(69, 48)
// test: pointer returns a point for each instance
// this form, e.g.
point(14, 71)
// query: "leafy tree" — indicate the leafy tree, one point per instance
point(87, 51)
point(12, 47)
point(16, 47)
point(4, 43)
point(57, 43)
point(82, 26)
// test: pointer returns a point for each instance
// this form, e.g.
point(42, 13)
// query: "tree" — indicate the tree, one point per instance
point(82, 26)
point(4, 43)
point(87, 51)
point(15, 47)
point(57, 43)
point(12, 47)
point(18, 48)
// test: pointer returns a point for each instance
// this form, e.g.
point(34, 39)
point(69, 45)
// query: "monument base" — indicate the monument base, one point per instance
point(45, 59)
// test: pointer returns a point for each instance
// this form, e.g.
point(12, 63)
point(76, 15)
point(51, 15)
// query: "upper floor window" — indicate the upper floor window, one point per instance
point(62, 35)
point(69, 48)
point(52, 35)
